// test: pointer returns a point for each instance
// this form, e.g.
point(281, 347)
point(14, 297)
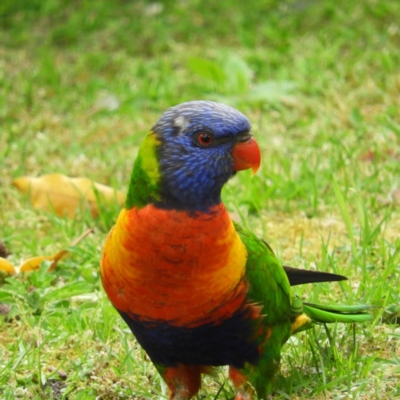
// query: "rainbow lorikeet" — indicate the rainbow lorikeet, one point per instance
point(196, 289)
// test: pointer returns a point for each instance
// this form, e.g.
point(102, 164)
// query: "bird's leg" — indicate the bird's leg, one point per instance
point(183, 381)
point(243, 390)
point(243, 396)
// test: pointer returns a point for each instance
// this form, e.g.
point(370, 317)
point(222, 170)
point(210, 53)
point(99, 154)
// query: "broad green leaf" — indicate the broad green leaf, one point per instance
point(238, 74)
point(207, 69)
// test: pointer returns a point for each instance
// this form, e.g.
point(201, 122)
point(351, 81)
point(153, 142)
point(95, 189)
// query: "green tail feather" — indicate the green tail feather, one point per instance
point(329, 314)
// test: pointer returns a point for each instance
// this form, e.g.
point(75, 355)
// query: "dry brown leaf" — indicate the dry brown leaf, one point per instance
point(6, 266)
point(33, 263)
point(66, 195)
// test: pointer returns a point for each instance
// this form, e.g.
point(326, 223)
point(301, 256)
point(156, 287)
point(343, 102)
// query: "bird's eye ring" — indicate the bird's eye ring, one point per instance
point(204, 139)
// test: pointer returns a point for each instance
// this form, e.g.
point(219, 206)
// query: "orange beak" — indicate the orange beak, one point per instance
point(246, 155)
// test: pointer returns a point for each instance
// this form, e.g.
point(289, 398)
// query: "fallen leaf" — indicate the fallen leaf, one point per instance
point(33, 263)
point(65, 195)
point(6, 266)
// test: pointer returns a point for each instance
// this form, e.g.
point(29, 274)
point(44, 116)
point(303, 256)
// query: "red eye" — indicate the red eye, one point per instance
point(204, 139)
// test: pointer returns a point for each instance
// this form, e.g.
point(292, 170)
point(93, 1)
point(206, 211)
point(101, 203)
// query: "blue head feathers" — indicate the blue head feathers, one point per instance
point(196, 141)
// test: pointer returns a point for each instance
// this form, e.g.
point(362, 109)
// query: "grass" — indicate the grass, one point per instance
point(81, 82)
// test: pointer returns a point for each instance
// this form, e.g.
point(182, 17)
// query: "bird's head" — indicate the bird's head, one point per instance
point(190, 153)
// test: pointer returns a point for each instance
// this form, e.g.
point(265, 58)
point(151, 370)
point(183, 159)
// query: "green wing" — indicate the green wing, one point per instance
point(268, 287)
point(269, 284)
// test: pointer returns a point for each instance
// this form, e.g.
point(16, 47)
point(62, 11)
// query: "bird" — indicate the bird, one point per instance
point(196, 289)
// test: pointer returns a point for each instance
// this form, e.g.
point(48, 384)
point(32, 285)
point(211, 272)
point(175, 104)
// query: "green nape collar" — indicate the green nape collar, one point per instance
point(144, 183)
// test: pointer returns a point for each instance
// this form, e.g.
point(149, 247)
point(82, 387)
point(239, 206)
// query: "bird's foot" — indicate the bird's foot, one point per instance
point(240, 395)
point(180, 393)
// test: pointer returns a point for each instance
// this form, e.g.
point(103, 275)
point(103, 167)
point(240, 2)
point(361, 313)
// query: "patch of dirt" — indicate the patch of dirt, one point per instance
point(56, 387)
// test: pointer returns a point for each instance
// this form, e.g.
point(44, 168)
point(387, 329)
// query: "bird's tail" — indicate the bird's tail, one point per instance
point(299, 276)
point(318, 313)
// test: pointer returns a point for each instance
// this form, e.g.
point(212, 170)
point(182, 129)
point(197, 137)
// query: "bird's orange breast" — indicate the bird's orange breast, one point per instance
point(174, 266)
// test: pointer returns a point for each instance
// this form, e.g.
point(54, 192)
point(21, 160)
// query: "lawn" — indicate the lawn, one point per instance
point(81, 83)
